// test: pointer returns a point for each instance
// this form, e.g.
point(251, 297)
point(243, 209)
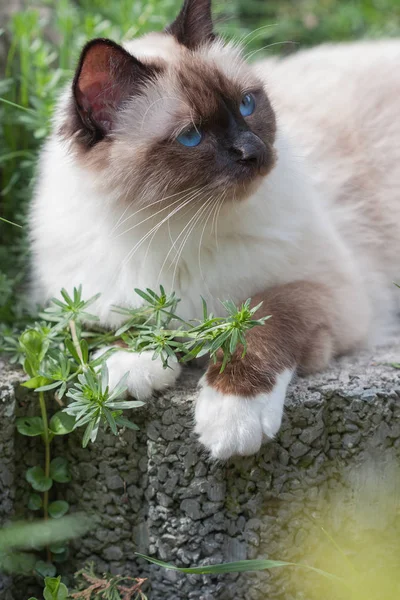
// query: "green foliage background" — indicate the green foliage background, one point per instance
point(43, 43)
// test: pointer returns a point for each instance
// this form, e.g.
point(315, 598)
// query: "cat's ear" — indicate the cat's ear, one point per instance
point(107, 75)
point(193, 26)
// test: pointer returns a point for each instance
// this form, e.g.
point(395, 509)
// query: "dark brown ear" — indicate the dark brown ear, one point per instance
point(107, 75)
point(193, 26)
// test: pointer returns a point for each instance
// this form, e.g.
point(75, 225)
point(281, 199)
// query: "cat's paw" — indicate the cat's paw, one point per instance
point(145, 374)
point(229, 425)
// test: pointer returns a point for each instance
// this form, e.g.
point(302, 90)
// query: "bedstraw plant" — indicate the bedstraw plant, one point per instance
point(57, 354)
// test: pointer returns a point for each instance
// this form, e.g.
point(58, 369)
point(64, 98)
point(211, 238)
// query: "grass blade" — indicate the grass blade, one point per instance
point(241, 566)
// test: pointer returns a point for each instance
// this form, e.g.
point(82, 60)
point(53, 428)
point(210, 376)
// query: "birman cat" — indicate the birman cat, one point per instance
point(172, 161)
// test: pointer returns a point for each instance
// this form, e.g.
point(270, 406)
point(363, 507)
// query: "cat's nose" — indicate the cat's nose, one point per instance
point(250, 150)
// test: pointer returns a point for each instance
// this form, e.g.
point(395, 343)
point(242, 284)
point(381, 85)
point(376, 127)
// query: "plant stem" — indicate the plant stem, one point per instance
point(43, 410)
point(47, 452)
point(29, 110)
point(75, 341)
point(10, 222)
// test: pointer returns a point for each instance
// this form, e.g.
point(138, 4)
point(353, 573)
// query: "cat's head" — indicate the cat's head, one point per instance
point(171, 112)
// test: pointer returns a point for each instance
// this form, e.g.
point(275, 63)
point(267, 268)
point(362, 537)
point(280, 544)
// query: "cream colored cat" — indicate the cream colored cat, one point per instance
point(173, 161)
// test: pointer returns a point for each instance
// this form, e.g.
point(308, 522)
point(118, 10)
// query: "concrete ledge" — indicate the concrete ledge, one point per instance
point(156, 492)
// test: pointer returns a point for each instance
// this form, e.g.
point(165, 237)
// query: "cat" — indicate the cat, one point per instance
point(173, 161)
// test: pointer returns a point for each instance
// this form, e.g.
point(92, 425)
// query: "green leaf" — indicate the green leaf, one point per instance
point(35, 502)
point(35, 346)
point(30, 426)
point(36, 477)
point(36, 382)
point(45, 569)
point(217, 343)
point(29, 368)
point(143, 295)
point(205, 309)
point(32, 341)
point(61, 557)
point(122, 422)
point(233, 341)
point(17, 562)
point(57, 548)
point(43, 533)
point(225, 361)
point(58, 509)
point(110, 420)
point(230, 567)
point(61, 423)
point(84, 350)
point(48, 387)
point(240, 566)
point(101, 359)
point(59, 470)
point(54, 589)
point(67, 297)
point(72, 350)
point(124, 404)
point(87, 436)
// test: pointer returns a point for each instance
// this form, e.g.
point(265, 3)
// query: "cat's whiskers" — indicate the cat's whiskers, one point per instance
point(146, 236)
point(177, 256)
point(147, 218)
point(251, 54)
point(163, 199)
point(217, 213)
point(217, 203)
point(152, 230)
point(117, 224)
point(257, 31)
point(207, 217)
point(189, 201)
point(153, 215)
point(194, 220)
point(173, 243)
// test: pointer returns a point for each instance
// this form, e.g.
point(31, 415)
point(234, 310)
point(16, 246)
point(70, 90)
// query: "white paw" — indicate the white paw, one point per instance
point(228, 425)
point(145, 374)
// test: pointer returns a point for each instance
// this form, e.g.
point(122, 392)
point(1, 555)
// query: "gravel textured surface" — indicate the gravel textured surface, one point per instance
point(156, 491)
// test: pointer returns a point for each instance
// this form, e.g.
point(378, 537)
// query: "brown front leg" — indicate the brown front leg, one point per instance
point(240, 406)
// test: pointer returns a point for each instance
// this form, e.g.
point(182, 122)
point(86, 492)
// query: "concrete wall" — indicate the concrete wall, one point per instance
point(156, 492)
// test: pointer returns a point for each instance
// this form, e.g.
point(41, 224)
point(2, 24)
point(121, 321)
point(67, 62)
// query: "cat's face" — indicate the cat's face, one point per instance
point(175, 113)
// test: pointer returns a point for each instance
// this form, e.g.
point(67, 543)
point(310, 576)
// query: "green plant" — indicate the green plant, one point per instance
point(56, 359)
point(149, 328)
point(240, 566)
point(19, 540)
point(284, 26)
point(54, 589)
point(55, 353)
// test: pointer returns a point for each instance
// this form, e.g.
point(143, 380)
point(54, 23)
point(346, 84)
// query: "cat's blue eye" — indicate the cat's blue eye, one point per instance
point(247, 105)
point(190, 137)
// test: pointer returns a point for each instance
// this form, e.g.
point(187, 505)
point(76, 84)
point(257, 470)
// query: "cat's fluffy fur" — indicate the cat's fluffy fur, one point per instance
point(317, 239)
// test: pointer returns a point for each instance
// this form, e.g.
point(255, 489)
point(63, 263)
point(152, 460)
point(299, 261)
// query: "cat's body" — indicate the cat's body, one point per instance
point(340, 105)
point(318, 239)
